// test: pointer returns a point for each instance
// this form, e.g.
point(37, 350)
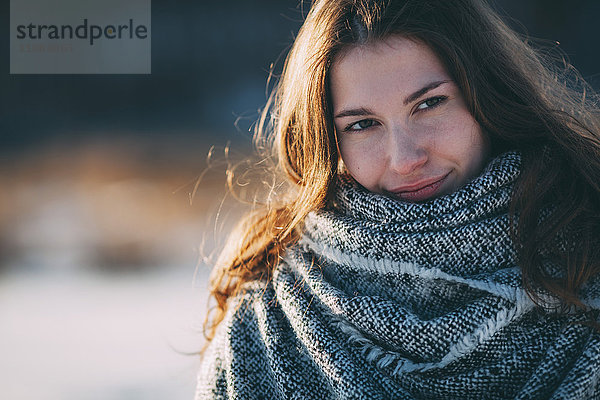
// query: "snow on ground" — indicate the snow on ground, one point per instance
point(88, 336)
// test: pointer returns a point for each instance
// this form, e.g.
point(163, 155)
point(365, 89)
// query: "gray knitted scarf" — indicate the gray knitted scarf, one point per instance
point(383, 299)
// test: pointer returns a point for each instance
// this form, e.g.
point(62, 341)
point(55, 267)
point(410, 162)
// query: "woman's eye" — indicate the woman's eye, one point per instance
point(432, 102)
point(360, 125)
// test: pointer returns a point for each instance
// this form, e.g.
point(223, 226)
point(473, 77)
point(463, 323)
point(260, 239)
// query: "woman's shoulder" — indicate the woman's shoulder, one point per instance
point(232, 360)
point(252, 301)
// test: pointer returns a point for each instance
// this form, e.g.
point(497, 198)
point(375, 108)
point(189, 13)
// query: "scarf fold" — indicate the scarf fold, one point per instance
point(383, 299)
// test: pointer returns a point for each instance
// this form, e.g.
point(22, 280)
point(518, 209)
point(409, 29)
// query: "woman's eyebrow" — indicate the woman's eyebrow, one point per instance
point(354, 112)
point(362, 111)
point(424, 90)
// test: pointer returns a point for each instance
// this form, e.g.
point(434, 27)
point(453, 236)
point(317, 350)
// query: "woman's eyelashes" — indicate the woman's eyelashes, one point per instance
point(360, 125)
point(425, 105)
point(431, 102)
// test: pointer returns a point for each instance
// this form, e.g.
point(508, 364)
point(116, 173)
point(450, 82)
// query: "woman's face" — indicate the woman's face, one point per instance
point(402, 125)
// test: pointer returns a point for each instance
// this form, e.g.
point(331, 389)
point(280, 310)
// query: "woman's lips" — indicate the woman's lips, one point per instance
point(421, 190)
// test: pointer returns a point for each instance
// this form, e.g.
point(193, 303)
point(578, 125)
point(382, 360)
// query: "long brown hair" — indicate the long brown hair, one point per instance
point(520, 99)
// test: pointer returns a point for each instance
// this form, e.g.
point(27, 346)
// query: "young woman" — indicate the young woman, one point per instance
point(440, 235)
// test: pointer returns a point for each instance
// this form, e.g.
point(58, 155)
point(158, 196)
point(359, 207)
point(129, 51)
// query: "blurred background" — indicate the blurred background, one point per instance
point(110, 213)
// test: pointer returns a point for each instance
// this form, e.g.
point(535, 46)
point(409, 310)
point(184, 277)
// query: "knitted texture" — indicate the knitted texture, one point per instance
point(383, 299)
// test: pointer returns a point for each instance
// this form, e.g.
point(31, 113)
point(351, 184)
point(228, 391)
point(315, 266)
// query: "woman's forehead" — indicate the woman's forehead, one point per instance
point(396, 65)
point(377, 45)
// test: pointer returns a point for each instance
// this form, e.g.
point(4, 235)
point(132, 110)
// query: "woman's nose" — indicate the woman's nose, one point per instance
point(406, 152)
